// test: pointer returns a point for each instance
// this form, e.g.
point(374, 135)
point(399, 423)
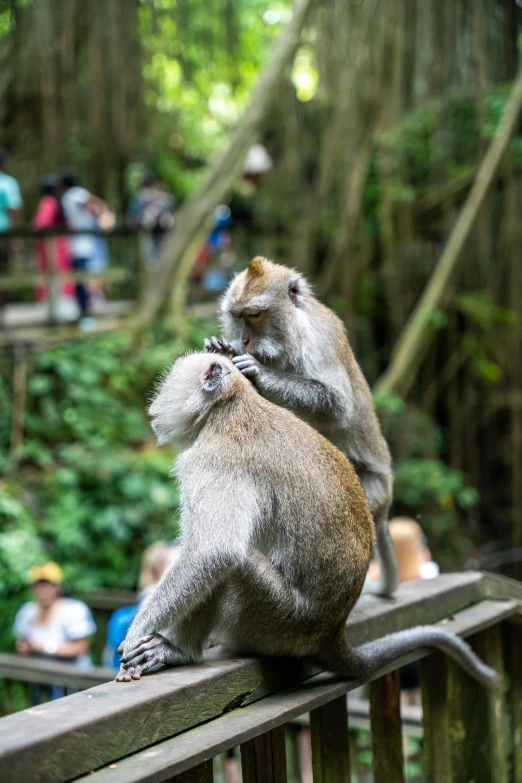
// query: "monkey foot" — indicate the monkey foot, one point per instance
point(147, 653)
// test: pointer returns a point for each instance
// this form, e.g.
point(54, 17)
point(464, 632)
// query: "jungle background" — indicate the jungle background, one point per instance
point(376, 126)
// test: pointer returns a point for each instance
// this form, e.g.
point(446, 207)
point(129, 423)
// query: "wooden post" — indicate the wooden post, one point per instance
point(203, 773)
point(385, 717)
point(330, 742)
point(293, 766)
point(437, 750)
point(514, 632)
point(488, 645)
point(477, 714)
point(263, 759)
point(53, 279)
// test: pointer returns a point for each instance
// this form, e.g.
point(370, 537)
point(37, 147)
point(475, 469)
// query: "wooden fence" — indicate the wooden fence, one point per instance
point(169, 725)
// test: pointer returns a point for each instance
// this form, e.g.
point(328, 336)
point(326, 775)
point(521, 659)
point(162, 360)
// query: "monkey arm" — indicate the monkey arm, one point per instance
point(185, 585)
point(215, 540)
point(302, 395)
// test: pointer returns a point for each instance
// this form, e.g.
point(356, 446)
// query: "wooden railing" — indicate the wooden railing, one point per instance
point(126, 276)
point(169, 725)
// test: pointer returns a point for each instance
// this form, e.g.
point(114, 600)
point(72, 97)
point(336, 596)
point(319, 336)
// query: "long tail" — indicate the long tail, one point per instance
point(363, 661)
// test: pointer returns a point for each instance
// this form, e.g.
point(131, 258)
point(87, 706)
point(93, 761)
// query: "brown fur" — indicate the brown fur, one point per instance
point(276, 536)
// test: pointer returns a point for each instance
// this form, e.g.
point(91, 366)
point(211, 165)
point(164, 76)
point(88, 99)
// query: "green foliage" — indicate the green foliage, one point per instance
point(93, 490)
point(425, 487)
point(199, 71)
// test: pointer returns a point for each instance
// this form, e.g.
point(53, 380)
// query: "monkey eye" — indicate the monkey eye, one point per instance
point(257, 315)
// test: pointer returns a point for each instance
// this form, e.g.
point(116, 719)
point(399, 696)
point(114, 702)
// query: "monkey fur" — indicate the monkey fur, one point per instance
point(276, 537)
point(296, 353)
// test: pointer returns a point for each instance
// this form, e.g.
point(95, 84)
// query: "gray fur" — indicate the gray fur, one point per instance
point(299, 357)
point(276, 536)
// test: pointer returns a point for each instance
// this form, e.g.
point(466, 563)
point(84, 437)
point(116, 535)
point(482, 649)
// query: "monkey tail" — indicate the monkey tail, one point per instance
point(363, 661)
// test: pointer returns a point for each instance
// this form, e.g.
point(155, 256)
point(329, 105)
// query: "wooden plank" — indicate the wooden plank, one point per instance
point(422, 601)
point(385, 716)
point(330, 742)
point(437, 748)
point(263, 758)
point(203, 773)
point(87, 730)
point(14, 667)
point(514, 634)
point(30, 279)
point(160, 762)
point(108, 599)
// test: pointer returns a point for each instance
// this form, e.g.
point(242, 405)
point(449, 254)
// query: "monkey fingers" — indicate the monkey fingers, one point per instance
point(126, 675)
point(246, 364)
point(135, 654)
point(219, 345)
point(121, 646)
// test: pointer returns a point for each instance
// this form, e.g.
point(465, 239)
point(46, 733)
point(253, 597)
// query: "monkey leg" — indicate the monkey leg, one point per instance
point(263, 614)
point(378, 491)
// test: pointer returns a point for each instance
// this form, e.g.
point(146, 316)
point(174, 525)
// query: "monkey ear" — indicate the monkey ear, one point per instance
point(294, 289)
point(212, 377)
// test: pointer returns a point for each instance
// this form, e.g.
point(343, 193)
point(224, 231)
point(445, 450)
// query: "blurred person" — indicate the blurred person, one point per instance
point(414, 562)
point(155, 561)
point(257, 163)
point(53, 626)
point(10, 214)
point(85, 211)
point(54, 252)
point(151, 209)
point(212, 270)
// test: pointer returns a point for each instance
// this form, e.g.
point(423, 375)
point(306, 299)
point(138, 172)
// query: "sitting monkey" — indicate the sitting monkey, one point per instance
point(296, 353)
point(276, 537)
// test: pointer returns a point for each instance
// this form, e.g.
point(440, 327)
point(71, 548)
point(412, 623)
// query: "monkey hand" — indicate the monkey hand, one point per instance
point(249, 366)
point(220, 345)
point(144, 654)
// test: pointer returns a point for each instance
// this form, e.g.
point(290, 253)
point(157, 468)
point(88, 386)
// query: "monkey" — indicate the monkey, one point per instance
point(276, 537)
point(295, 351)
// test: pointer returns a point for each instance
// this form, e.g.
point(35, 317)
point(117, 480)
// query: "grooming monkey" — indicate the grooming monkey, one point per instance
point(276, 537)
point(296, 353)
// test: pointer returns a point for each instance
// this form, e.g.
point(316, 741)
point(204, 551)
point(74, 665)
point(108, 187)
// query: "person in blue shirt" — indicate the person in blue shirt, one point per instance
point(10, 197)
point(10, 211)
point(156, 559)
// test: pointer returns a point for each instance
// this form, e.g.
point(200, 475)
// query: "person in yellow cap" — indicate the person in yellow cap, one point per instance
point(53, 626)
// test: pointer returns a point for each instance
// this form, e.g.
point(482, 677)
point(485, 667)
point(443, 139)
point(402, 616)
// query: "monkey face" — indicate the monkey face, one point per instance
point(258, 310)
point(188, 393)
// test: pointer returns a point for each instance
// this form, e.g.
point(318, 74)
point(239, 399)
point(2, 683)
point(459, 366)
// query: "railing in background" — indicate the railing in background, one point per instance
point(170, 725)
point(123, 279)
point(123, 276)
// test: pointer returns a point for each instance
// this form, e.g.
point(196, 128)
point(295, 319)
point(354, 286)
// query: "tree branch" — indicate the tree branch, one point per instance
point(192, 218)
point(413, 341)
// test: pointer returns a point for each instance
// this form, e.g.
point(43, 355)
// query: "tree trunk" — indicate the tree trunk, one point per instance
point(411, 345)
point(192, 217)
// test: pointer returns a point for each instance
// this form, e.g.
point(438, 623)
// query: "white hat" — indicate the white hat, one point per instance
point(257, 160)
